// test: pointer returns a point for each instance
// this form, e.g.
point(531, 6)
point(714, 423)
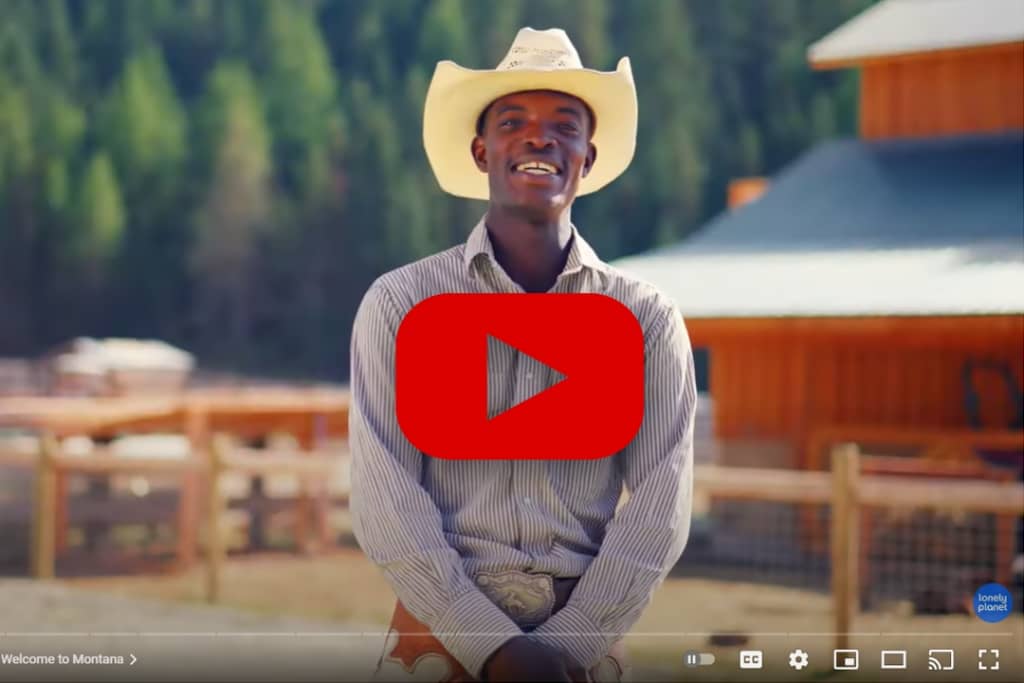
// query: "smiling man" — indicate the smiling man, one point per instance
point(513, 570)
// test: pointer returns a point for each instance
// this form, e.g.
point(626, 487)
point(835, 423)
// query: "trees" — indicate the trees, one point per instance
point(666, 188)
point(18, 222)
point(98, 217)
point(301, 92)
point(235, 208)
point(232, 175)
point(144, 126)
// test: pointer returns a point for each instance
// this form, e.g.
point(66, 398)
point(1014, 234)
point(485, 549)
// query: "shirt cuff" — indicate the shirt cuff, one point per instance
point(473, 628)
point(573, 632)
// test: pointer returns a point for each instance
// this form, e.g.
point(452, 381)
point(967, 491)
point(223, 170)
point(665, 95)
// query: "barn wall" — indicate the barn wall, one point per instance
point(776, 379)
point(897, 387)
point(975, 90)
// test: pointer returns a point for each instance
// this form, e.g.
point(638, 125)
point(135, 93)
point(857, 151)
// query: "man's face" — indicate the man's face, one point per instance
point(535, 146)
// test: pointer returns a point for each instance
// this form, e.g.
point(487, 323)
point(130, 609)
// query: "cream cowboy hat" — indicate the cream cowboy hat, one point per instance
point(537, 60)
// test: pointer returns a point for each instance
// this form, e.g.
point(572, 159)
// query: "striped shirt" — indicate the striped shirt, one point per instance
point(433, 524)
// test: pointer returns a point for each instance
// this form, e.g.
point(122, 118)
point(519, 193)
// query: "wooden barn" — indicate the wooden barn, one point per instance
point(874, 290)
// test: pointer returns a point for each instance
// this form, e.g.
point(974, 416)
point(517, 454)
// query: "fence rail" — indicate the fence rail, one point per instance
point(997, 498)
point(935, 444)
point(772, 485)
point(904, 491)
point(52, 466)
point(846, 492)
point(226, 458)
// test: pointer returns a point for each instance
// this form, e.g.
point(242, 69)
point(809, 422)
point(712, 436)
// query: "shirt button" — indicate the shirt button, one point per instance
point(527, 501)
point(529, 375)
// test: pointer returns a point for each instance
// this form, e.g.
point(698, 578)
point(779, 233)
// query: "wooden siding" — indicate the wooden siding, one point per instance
point(780, 378)
point(954, 92)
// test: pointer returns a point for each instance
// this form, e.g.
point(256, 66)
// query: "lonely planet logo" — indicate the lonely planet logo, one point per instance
point(993, 603)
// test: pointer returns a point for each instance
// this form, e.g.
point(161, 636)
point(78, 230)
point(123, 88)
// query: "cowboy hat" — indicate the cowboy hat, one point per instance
point(537, 60)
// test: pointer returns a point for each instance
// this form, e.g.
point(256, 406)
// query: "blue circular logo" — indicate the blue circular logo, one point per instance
point(993, 603)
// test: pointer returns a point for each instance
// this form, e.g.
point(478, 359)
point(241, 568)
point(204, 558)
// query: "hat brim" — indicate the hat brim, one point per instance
point(457, 96)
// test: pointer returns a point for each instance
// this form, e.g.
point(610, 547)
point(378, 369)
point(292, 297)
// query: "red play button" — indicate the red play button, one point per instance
point(592, 344)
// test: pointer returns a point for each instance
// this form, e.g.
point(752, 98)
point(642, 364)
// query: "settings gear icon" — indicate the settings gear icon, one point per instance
point(798, 659)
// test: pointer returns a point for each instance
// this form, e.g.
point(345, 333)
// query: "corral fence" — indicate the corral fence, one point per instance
point(231, 476)
point(869, 529)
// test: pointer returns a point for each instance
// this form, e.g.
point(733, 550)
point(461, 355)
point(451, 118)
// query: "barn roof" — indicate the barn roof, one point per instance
point(895, 27)
point(895, 227)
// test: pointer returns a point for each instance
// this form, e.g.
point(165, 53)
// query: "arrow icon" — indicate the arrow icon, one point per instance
point(134, 659)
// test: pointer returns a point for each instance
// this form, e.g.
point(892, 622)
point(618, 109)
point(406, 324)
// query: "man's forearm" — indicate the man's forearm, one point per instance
point(401, 533)
point(395, 520)
point(647, 535)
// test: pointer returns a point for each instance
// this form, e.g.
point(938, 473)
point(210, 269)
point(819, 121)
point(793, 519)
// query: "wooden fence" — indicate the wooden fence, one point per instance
point(51, 465)
point(845, 489)
point(312, 468)
point(847, 492)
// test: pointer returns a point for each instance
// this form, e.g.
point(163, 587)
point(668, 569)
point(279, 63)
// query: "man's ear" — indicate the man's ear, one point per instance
point(588, 163)
point(479, 152)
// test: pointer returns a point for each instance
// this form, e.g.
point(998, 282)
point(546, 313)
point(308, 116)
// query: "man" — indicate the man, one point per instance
point(521, 569)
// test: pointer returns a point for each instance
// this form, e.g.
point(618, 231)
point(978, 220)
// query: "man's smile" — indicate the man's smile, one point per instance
point(536, 167)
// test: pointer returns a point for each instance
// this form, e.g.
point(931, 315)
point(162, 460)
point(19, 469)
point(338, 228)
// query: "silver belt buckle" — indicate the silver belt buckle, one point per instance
point(528, 599)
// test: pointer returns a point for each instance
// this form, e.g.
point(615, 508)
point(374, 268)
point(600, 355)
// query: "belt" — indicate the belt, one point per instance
point(528, 599)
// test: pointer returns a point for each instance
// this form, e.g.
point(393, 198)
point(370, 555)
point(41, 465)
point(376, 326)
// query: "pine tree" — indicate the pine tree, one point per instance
point(494, 25)
point(234, 210)
point(59, 48)
point(16, 149)
point(144, 126)
point(99, 216)
point(301, 93)
point(17, 218)
point(666, 187)
point(445, 35)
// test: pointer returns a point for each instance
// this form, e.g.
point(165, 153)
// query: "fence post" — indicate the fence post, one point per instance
point(322, 487)
point(44, 517)
point(215, 547)
point(286, 442)
point(845, 539)
point(197, 424)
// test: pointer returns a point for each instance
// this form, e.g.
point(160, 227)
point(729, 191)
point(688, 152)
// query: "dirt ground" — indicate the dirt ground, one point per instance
point(131, 637)
point(344, 592)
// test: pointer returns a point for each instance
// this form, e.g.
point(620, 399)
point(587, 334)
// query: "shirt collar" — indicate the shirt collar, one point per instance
point(581, 254)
